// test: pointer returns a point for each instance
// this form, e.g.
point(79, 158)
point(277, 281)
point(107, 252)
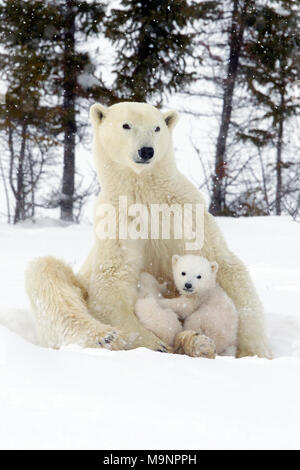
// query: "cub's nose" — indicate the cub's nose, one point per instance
point(146, 153)
point(187, 285)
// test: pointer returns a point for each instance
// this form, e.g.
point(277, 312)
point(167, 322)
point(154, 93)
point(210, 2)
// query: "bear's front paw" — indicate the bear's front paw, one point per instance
point(261, 351)
point(164, 348)
point(158, 345)
point(112, 340)
point(150, 341)
point(194, 345)
point(103, 337)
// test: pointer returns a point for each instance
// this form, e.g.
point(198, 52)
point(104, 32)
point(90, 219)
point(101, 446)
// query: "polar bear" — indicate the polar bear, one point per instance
point(134, 157)
point(165, 323)
point(203, 306)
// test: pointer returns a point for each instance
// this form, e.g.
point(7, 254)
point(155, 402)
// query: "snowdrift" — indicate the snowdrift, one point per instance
point(97, 399)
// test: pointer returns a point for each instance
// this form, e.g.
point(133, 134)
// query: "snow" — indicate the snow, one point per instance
point(98, 399)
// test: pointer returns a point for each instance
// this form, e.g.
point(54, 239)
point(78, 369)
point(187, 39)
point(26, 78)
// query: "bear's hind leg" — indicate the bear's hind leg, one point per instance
point(58, 300)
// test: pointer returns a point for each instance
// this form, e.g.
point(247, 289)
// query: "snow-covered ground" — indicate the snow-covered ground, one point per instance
point(99, 399)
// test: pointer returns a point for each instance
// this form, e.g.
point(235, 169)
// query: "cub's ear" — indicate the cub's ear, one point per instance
point(171, 117)
point(97, 113)
point(175, 258)
point(214, 266)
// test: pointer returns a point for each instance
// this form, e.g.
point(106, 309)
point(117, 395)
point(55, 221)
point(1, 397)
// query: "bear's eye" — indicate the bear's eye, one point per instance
point(183, 274)
point(157, 129)
point(199, 277)
point(126, 126)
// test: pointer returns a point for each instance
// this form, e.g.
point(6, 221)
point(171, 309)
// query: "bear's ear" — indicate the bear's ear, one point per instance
point(97, 113)
point(214, 266)
point(171, 117)
point(175, 258)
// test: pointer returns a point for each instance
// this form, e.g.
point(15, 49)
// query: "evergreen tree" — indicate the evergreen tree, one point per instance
point(154, 43)
point(270, 70)
point(239, 12)
point(78, 19)
point(53, 29)
point(25, 118)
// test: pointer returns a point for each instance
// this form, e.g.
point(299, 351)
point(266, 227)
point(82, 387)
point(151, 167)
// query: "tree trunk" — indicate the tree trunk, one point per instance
point(217, 204)
point(4, 182)
point(279, 157)
point(20, 211)
point(69, 85)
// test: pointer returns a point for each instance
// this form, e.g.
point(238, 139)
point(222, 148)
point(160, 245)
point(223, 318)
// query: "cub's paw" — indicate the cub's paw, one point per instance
point(203, 347)
point(194, 345)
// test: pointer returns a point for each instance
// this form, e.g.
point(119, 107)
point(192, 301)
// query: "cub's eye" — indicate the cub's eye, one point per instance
point(199, 277)
point(157, 129)
point(183, 274)
point(126, 126)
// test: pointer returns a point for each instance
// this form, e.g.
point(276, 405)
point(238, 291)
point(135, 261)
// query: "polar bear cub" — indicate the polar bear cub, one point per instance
point(203, 307)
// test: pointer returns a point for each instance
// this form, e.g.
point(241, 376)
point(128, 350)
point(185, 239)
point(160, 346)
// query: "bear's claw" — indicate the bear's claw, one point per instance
point(112, 340)
point(164, 349)
point(108, 339)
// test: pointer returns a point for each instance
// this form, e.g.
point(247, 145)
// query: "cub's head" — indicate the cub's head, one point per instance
point(134, 135)
point(193, 274)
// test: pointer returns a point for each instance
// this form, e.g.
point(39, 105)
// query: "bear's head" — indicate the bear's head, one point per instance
point(194, 274)
point(134, 135)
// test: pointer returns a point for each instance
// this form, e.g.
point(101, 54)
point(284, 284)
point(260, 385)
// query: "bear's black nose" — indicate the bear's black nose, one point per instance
point(146, 153)
point(187, 285)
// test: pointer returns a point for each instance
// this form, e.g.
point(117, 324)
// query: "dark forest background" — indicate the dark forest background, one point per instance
point(242, 55)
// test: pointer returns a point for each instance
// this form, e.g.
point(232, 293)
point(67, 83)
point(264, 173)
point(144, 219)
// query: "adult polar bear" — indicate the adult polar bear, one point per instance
point(133, 154)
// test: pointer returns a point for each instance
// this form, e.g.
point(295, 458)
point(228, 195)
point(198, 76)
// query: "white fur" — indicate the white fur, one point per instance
point(100, 301)
point(205, 309)
point(161, 321)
